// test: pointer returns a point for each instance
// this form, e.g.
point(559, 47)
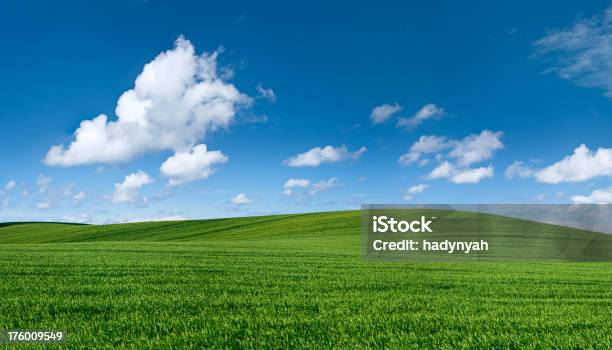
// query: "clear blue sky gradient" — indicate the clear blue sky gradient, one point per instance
point(329, 64)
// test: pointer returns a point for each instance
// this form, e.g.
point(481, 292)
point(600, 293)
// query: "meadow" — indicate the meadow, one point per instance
point(287, 281)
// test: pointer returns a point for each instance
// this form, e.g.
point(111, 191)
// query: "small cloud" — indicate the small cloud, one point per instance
point(581, 52)
point(601, 196)
point(265, 93)
point(460, 176)
point(519, 169)
point(471, 176)
point(582, 165)
point(424, 145)
point(241, 199)
point(382, 113)
point(289, 186)
point(426, 112)
point(323, 185)
point(456, 156)
point(128, 190)
point(327, 154)
point(10, 185)
point(414, 190)
point(193, 165)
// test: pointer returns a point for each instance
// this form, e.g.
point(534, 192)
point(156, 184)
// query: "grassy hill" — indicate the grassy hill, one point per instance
point(290, 281)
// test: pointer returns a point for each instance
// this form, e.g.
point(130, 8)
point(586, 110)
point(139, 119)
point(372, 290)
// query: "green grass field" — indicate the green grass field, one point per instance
point(290, 281)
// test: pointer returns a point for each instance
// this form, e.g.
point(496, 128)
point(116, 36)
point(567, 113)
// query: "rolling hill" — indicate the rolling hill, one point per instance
point(293, 281)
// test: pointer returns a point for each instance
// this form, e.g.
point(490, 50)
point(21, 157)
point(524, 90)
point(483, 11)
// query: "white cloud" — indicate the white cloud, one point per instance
point(292, 183)
point(582, 52)
point(426, 112)
point(266, 93)
point(382, 113)
point(177, 99)
point(128, 190)
point(241, 199)
point(424, 145)
point(444, 170)
point(323, 185)
point(297, 183)
point(10, 185)
point(582, 165)
point(476, 148)
point(471, 176)
point(327, 154)
point(417, 188)
point(414, 190)
point(519, 169)
point(456, 156)
point(460, 175)
point(192, 165)
point(43, 183)
point(602, 196)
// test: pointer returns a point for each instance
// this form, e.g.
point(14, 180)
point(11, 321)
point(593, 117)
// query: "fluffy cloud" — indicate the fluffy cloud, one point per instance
point(323, 185)
point(414, 190)
point(177, 99)
point(471, 176)
point(476, 148)
point(460, 175)
point(241, 199)
point(424, 145)
point(456, 156)
point(582, 53)
point(128, 190)
point(266, 93)
point(518, 169)
point(426, 112)
point(582, 165)
point(327, 154)
point(293, 183)
point(10, 185)
point(192, 165)
point(602, 196)
point(382, 113)
point(444, 170)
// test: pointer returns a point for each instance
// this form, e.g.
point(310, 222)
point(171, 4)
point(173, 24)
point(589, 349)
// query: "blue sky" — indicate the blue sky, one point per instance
point(506, 94)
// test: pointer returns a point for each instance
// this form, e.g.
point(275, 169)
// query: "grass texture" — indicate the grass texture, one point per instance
point(288, 281)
